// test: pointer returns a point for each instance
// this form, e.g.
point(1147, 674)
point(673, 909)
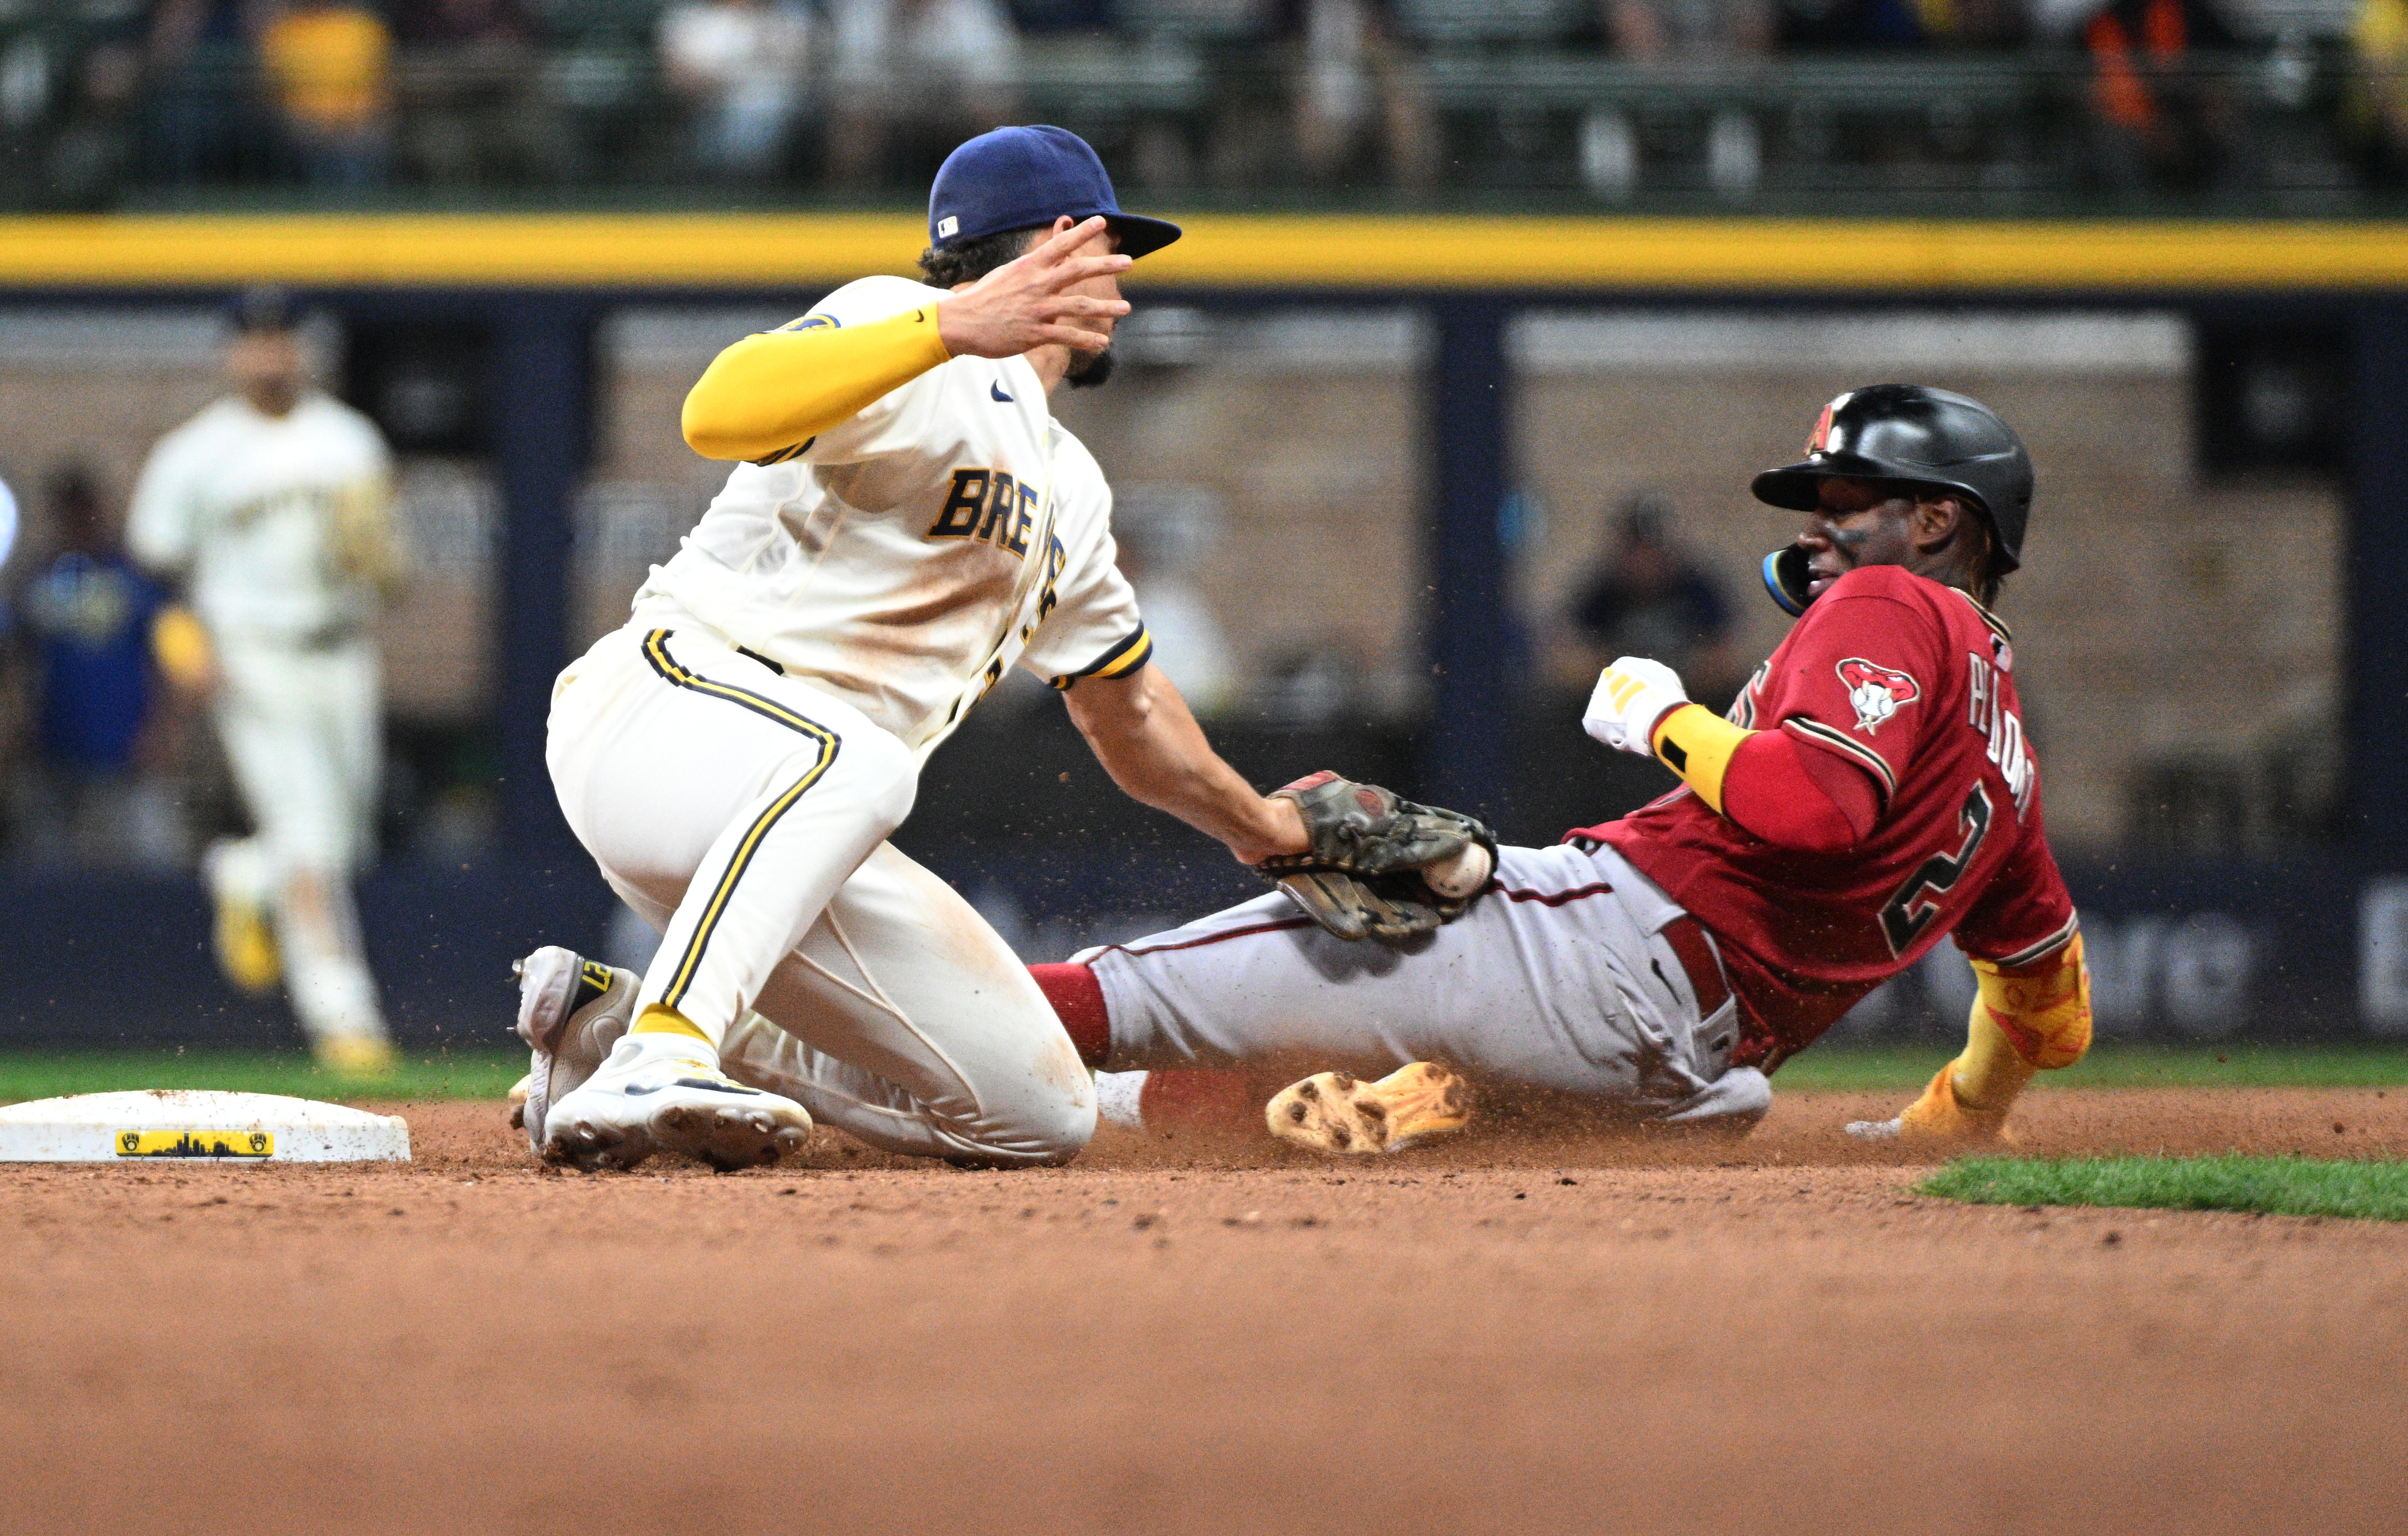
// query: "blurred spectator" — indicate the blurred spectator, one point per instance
point(2164, 117)
point(950, 66)
point(1857, 25)
point(329, 67)
point(96, 144)
point(201, 52)
point(87, 620)
point(1649, 598)
point(466, 107)
point(1050, 18)
point(1655, 30)
point(2379, 98)
point(1658, 29)
point(742, 64)
point(1355, 80)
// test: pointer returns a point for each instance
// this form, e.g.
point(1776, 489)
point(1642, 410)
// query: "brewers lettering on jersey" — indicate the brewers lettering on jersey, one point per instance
point(1871, 793)
point(272, 508)
point(907, 521)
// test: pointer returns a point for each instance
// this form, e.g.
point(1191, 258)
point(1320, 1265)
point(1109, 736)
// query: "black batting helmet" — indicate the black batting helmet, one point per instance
point(1915, 435)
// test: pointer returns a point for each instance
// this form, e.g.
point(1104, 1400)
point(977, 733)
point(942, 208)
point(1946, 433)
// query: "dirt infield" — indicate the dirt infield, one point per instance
point(1524, 1332)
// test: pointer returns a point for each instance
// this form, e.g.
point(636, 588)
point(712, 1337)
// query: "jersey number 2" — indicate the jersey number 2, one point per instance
point(1908, 913)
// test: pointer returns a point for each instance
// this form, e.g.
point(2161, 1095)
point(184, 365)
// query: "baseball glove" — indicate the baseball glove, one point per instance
point(1363, 876)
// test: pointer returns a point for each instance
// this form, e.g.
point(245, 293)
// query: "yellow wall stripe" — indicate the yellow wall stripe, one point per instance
point(1221, 250)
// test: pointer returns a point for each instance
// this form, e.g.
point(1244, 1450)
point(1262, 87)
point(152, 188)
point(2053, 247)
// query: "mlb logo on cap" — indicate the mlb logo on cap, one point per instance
point(1024, 178)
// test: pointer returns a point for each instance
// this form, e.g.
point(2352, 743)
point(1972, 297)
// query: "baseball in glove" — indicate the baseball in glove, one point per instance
point(1379, 866)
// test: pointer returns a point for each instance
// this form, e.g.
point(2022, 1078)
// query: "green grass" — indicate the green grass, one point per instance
point(2365, 1191)
point(1886, 1069)
point(1899, 1068)
point(455, 1075)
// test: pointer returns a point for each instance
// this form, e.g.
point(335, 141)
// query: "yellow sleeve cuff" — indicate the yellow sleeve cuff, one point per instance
point(769, 395)
point(2043, 1010)
point(1697, 743)
point(182, 646)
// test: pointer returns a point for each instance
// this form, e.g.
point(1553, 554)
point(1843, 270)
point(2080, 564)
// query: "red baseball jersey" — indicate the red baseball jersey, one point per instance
point(1912, 683)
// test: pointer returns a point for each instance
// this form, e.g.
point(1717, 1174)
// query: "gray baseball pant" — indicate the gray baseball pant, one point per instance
point(1560, 978)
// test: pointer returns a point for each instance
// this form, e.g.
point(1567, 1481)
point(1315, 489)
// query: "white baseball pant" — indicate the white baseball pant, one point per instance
point(1560, 978)
point(302, 733)
point(744, 813)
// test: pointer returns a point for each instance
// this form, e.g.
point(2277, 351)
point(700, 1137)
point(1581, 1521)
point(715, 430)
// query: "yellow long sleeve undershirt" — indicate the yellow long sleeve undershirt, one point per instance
point(774, 391)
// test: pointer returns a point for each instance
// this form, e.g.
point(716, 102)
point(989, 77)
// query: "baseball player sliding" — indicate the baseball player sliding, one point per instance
point(1871, 793)
point(272, 506)
point(907, 521)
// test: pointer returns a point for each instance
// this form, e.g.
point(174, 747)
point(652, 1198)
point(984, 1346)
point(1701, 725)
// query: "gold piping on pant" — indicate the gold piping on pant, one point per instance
point(656, 651)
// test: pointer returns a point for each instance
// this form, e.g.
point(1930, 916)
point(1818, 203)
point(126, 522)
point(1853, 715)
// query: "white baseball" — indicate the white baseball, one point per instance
point(1460, 877)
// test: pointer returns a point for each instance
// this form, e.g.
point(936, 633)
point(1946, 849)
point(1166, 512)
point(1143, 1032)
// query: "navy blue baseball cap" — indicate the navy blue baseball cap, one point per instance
point(1022, 178)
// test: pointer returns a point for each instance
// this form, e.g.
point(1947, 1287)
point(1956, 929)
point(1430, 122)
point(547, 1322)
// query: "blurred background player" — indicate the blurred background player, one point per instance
point(272, 508)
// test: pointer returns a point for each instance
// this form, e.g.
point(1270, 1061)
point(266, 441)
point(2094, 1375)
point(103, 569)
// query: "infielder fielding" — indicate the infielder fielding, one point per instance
point(909, 521)
point(272, 506)
point(1871, 791)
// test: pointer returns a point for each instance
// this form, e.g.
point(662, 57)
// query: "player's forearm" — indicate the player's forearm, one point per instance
point(769, 393)
point(1758, 779)
point(1141, 731)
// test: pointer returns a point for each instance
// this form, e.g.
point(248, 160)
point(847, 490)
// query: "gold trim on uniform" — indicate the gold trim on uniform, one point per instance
point(1119, 661)
point(656, 651)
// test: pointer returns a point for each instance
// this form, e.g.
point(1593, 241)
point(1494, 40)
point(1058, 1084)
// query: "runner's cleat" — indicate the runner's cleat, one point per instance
point(518, 1100)
point(246, 946)
point(654, 1096)
point(1331, 1112)
point(571, 1011)
point(356, 1055)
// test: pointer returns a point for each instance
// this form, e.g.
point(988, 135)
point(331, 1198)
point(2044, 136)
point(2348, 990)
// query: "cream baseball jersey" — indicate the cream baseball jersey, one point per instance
point(904, 559)
point(249, 504)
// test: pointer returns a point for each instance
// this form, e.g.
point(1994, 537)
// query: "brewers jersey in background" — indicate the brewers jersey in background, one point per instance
point(903, 560)
point(279, 527)
point(252, 508)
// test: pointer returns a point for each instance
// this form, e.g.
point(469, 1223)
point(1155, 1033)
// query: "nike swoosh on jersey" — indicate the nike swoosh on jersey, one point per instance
point(995, 389)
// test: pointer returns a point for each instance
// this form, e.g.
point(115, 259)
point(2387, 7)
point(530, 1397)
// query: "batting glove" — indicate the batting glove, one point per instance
point(1632, 696)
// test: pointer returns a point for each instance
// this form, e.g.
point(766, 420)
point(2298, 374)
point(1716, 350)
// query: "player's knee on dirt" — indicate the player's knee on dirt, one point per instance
point(2043, 1010)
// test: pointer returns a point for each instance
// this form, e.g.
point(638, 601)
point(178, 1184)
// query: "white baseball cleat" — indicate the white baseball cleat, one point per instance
point(1335, 1113)
point(664, 1093)
point(571, 1011)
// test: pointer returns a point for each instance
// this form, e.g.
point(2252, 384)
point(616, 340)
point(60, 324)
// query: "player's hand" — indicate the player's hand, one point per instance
point(1630, 697)
point(1366, 871)
point(1029, 303)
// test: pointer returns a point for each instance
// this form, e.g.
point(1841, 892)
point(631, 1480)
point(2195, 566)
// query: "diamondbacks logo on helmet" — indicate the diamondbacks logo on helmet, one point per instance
point(1821, 435)
point(1876, 691)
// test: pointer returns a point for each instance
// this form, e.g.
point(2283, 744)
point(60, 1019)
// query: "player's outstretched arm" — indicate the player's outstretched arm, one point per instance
point(1761, 779)
point(1143, 734)
point(1357, 859)
point(768, 393)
